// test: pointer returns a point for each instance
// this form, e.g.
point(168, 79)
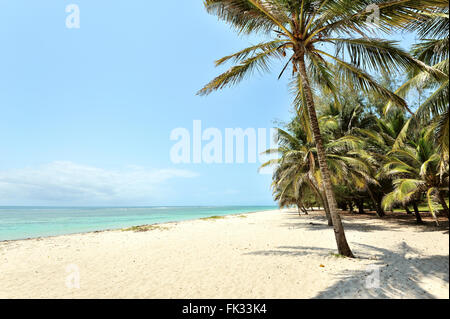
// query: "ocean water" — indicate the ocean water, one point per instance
point(34, 222)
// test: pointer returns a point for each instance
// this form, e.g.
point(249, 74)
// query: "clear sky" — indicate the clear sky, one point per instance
point(86, 114)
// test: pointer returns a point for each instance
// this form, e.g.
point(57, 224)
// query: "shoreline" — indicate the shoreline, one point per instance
point(141, 225)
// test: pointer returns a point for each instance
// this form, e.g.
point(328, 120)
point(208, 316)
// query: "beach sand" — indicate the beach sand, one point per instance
point(273, 254)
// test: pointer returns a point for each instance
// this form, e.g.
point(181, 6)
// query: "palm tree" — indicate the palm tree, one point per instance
point(288, 193)
point(297, 177)
point(415, 171)
point(297, 28)
point(379, 143)
point(433, 49)
point(346, 115)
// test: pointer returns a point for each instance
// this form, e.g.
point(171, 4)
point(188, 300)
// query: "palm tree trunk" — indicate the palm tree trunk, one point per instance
point(322, 199)
point(305, 211)
point(326, 208)
point(417, 213)
point(327, 211)
point(443, 203)
point(408, 211)
point(379, 209)
point(360, 205)
point(351, 209)
point(339, 233)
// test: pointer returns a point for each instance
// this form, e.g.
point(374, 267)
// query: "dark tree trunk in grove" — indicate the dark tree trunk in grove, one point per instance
point(342, 244)
point(443, 203)
point(360, 204)
point(378, 208)
point(417, 213)
point(408, 211)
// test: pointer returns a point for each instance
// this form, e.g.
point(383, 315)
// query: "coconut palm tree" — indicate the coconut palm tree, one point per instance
point(297, 29)
point(297, 176)
point(379, 143)
point(432, 49)
point(415, 172)
point(346, 115)
point(288, 193)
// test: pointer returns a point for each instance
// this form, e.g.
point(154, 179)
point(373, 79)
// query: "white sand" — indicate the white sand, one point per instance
point(265, 255)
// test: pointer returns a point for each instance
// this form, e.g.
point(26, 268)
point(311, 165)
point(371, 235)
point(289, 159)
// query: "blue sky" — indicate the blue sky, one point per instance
point(87, 113)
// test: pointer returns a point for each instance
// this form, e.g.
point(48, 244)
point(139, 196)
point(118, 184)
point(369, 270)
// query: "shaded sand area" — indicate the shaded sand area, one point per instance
point(261, 255)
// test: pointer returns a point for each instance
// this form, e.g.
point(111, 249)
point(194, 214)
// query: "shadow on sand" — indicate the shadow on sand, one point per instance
point(364, 222)
point(399, 269)
point(399, 272)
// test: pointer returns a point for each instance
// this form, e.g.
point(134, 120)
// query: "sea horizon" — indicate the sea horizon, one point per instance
point(28, 222)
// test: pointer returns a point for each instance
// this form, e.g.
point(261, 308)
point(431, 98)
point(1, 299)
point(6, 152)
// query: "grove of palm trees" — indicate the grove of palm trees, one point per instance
point(371, 124)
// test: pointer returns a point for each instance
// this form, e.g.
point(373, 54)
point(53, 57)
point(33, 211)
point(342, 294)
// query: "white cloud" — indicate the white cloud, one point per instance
point(67, 182)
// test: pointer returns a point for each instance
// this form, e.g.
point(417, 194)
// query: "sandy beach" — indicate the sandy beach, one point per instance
point(274, 254)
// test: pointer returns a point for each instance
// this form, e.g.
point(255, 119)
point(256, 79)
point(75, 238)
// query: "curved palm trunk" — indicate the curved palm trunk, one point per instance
point(339, 233)
point(320, 193)
point(323, 200)
point(327, 211)
point(301, 208)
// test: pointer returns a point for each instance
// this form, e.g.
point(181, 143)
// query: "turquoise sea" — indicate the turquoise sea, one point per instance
point(33, 222)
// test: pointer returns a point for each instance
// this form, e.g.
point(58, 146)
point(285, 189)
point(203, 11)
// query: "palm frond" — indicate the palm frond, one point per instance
point(259, 62)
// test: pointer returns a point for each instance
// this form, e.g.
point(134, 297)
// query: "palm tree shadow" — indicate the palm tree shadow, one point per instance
point(398, 271)
point(359, 222)
point(294, 251)
point(322, 225)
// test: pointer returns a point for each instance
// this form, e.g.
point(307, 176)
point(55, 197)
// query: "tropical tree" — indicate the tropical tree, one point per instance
point(433, 50)
point(287, 193)
point(348, 115)
point(379, 141)
point(297, 176)
point(297, 29)
point(414, 169)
